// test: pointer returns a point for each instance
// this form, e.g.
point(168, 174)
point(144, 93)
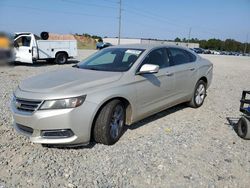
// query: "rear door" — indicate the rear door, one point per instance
point(185, 70)
point(23, 49)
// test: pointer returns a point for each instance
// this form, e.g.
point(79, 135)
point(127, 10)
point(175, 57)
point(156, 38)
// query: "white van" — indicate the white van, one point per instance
point(28, 48)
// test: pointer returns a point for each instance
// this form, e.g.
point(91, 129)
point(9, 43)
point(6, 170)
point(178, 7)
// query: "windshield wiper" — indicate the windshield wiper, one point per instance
point(76, 66)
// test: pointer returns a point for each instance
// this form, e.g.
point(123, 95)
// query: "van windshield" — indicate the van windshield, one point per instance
point(111, 59)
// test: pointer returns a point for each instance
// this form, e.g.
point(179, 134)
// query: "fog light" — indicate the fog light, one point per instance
point(59, 133)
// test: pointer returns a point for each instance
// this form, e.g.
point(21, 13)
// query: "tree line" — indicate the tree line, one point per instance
point(217, 44)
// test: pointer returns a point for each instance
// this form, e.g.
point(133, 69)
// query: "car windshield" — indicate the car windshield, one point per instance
point(111, 59)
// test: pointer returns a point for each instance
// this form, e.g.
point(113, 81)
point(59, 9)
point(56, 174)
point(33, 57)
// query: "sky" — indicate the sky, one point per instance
point(161, 19)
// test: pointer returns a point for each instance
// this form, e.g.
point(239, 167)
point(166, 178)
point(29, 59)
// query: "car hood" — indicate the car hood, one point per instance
point(68, 81)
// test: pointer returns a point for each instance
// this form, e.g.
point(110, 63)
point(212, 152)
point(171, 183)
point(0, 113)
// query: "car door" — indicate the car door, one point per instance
point(152, 90)
point(185, 70)
point(23, 49)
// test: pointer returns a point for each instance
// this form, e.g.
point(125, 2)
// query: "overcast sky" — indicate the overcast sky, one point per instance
point(162, 19)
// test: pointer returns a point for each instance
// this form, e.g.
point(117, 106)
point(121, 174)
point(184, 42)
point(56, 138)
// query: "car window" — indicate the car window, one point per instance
point(157, 57)
point(180, 56)
point(192, 57)
point(106, 58)
point(23, 41)
point(112, 59)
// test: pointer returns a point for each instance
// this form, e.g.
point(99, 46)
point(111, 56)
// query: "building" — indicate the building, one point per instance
point(114, 41)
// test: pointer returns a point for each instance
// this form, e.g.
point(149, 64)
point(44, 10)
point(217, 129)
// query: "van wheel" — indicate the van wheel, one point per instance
point(199, 95)
point(61, 58)
point(109, 123)
point(243, 128)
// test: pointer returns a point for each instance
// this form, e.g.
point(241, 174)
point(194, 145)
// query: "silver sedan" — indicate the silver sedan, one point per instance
point(116, 86)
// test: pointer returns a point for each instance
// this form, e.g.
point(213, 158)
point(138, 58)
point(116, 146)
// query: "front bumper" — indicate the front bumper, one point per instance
point(78, 120)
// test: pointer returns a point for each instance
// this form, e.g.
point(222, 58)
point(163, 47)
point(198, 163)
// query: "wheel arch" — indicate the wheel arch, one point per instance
point(203, 78)
point(127, 105)
point(64, 52)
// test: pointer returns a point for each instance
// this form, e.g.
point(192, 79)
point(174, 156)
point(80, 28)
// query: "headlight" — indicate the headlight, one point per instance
point(63, 103)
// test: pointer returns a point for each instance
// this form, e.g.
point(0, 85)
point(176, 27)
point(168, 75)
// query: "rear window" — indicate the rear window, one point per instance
point(180, 56)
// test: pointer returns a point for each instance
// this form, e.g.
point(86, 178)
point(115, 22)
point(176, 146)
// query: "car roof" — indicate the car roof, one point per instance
point(147, 46)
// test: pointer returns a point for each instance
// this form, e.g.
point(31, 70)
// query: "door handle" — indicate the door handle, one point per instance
point(192, 69)
point(169, 74)
point(29, 51)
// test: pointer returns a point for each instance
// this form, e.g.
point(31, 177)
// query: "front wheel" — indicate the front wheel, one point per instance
point(109, 123)
point(199, 94)
point(61, 58)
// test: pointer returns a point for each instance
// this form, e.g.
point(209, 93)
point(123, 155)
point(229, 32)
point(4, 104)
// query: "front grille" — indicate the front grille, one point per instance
point(27, 105)
point(25, 129)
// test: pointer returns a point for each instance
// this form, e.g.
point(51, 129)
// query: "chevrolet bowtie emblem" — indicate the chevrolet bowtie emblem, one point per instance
point(18, 104)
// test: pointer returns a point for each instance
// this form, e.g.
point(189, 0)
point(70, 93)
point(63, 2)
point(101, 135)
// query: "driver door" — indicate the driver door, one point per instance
point(23, 49)
point(154, 90)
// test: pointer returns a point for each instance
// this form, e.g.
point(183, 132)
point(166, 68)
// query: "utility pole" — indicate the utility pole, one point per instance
point(245, 49)
point(120, 20)
point(189, 33)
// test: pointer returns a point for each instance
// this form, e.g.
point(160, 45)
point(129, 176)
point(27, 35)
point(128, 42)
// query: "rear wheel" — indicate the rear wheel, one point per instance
point(243, 128)
point(61, 58)
point(109, 123)
point(199, 94)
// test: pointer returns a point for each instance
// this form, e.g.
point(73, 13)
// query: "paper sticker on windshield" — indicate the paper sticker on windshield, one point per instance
point(135, 52)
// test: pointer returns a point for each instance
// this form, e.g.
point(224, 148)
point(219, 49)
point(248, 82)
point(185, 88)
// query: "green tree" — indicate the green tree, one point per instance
point(177, 39)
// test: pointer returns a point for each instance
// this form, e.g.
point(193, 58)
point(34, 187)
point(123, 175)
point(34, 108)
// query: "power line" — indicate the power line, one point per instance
point(88, 4)
point(59, 12)
point(157, 17)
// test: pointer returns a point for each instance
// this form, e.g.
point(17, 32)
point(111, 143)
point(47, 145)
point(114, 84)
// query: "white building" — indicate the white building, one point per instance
point(114, 41)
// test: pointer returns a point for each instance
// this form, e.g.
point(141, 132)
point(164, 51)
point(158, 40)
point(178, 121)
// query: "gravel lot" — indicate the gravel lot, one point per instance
point(179, 147)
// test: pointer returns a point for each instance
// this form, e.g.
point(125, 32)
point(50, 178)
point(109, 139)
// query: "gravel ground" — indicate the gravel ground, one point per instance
point(179, 147)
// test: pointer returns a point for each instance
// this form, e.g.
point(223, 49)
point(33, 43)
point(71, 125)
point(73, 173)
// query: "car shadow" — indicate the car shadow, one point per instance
point(130, 127)
point(70, 147)
point(153, 79)
point(156, 116)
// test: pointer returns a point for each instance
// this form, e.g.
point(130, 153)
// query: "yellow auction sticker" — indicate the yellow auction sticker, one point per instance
point(4, 42)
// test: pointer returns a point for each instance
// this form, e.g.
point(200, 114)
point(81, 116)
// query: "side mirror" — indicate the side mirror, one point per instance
point(149, 69)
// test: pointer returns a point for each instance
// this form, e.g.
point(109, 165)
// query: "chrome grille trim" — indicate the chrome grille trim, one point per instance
point(27, 104)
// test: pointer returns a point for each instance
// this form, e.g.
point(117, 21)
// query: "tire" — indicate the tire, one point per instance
point(199, 94)
point(44, 35)
point(243, 128)
point(61, 58)
point(107, 128)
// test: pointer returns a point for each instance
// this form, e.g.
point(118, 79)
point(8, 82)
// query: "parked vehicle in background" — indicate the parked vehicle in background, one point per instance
point(215, 52)
point(101, 45)
point(29, 48)
point(198, 50)
point(207, 51)
point(116, 86)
